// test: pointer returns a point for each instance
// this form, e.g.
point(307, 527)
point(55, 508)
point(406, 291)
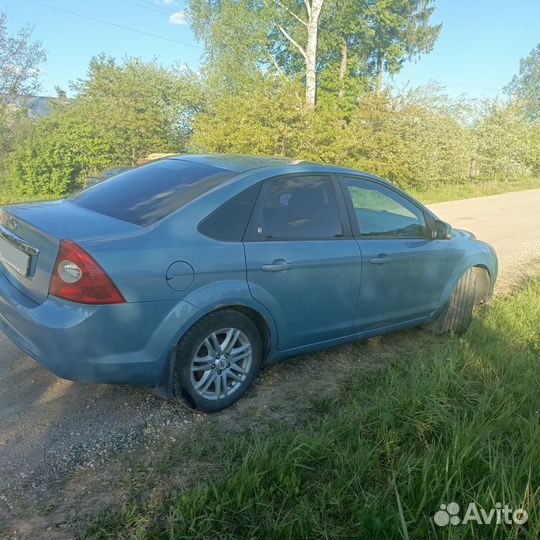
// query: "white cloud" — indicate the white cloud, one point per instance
point(169, 3)
point(179, 18)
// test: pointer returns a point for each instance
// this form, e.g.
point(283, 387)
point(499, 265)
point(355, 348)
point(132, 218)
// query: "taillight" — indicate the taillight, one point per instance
point(79, 278)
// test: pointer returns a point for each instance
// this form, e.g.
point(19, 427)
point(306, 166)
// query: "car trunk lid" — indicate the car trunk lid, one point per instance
point(30, 237)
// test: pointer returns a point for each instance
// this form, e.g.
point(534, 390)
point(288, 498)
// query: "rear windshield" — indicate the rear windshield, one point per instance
point(147, 194)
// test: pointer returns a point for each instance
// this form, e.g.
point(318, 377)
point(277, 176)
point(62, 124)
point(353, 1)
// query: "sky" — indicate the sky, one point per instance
point(477, 53)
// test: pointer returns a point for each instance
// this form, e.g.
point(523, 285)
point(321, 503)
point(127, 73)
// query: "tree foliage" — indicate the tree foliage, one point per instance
point(251, 99)
point(399, 30)
point(507, 144)
point(235, 35)
point(121, 113)
point(525, 86)
point(58, 151)
point(308, 40)
point(420, 139)
point(20, 58)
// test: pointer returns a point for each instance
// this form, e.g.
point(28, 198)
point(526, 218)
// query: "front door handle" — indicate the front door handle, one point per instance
point(380, 259)
point(277, 266)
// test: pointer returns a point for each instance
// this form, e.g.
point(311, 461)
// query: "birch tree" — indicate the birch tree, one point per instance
point(302, 19)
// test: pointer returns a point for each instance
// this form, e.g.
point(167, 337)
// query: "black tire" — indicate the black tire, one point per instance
point(456, 316)
point(191, 343)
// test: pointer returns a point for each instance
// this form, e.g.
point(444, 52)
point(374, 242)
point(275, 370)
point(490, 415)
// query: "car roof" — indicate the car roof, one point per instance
point(243, 163)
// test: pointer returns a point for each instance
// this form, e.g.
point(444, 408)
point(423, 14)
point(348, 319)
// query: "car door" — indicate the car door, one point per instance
point(403, 269)
point(302, 262)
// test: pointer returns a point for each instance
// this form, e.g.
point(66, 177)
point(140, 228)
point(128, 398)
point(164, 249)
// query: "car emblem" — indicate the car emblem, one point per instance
point(12, 224)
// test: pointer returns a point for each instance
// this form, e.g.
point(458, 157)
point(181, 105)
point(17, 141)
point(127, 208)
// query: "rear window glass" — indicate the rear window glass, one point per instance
point(149, 193)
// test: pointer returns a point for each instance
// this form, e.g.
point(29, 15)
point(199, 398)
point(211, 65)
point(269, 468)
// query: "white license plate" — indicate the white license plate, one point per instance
point(14, 257)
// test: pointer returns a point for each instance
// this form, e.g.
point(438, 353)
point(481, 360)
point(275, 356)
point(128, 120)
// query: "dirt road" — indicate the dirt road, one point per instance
point(510, 222)
point(58, 439)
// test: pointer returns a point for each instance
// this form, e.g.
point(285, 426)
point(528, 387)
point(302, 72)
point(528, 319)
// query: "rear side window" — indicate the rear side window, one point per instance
point(230, 220)
point(299, 207)
point(147, 194)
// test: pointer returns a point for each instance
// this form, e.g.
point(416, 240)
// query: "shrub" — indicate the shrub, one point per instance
point(120, 114)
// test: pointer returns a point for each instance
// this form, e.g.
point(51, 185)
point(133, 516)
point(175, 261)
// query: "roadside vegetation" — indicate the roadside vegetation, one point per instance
point(456, 421)
point(260, 92)
point(454, 192)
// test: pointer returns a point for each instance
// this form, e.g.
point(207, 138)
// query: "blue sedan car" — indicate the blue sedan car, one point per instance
point(190, 273)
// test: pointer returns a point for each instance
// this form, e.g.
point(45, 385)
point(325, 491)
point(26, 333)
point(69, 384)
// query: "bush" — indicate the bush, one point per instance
point(120, 114)
point(420, 140)
point(506, 143)
point(414, 140)
point(60, 150)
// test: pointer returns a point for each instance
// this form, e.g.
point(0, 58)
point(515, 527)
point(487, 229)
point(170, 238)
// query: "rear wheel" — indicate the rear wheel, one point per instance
point(217, 360)
point(456, 317)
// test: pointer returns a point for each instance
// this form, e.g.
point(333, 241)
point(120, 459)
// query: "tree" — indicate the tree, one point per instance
point(302, 18)
point(506, 142)
point(148, 107)
point(399, 30)
point(120, 113)
point(58, 152)
point(525, 86)
point(236, 38)
point(243, 37)
point(20, 59)
point(304, 39)
point(342, 43)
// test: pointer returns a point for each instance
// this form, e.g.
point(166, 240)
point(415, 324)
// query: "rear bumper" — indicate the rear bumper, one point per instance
point(124, 343)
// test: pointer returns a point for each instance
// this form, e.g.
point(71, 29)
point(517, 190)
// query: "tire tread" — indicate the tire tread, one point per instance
point(456, 316)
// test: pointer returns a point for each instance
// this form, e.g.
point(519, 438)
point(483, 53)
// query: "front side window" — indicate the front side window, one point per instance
point(298, 207)
point(383, 212)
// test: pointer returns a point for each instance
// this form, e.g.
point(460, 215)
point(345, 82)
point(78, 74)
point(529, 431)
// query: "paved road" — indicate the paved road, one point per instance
point(510, 222)
point(48, 425)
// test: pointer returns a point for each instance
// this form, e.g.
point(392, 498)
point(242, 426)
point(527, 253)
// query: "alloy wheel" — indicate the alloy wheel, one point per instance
point(221, 363)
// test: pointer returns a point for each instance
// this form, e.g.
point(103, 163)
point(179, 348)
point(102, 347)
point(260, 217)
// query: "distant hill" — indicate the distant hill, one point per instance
point(37, 106)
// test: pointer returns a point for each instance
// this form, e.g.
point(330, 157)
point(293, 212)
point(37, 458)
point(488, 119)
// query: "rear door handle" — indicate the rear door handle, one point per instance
point(380, 259)
point(277, 266)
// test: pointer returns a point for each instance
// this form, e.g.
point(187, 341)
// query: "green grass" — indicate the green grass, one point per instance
point(455, 421)
point(454, 192)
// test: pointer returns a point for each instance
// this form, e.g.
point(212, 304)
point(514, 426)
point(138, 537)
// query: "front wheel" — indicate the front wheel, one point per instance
point(457, 314)
point(217, 360)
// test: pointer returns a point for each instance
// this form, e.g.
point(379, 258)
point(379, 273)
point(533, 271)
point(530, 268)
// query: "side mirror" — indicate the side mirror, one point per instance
point(441, 230)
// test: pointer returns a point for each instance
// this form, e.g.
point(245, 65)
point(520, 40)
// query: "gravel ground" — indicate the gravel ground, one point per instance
point(66, 447)
point(510, 222)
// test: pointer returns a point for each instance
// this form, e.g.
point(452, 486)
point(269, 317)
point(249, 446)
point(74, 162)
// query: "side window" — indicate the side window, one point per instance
point(383, 212)
point(230, 220)
point(298, 207)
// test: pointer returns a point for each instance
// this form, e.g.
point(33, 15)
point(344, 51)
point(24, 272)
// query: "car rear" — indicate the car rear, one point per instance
point(58, 304)
point(80, 290)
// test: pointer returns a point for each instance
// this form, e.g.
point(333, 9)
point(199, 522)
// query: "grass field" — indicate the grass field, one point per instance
point(455, 421)
point(454, 192)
